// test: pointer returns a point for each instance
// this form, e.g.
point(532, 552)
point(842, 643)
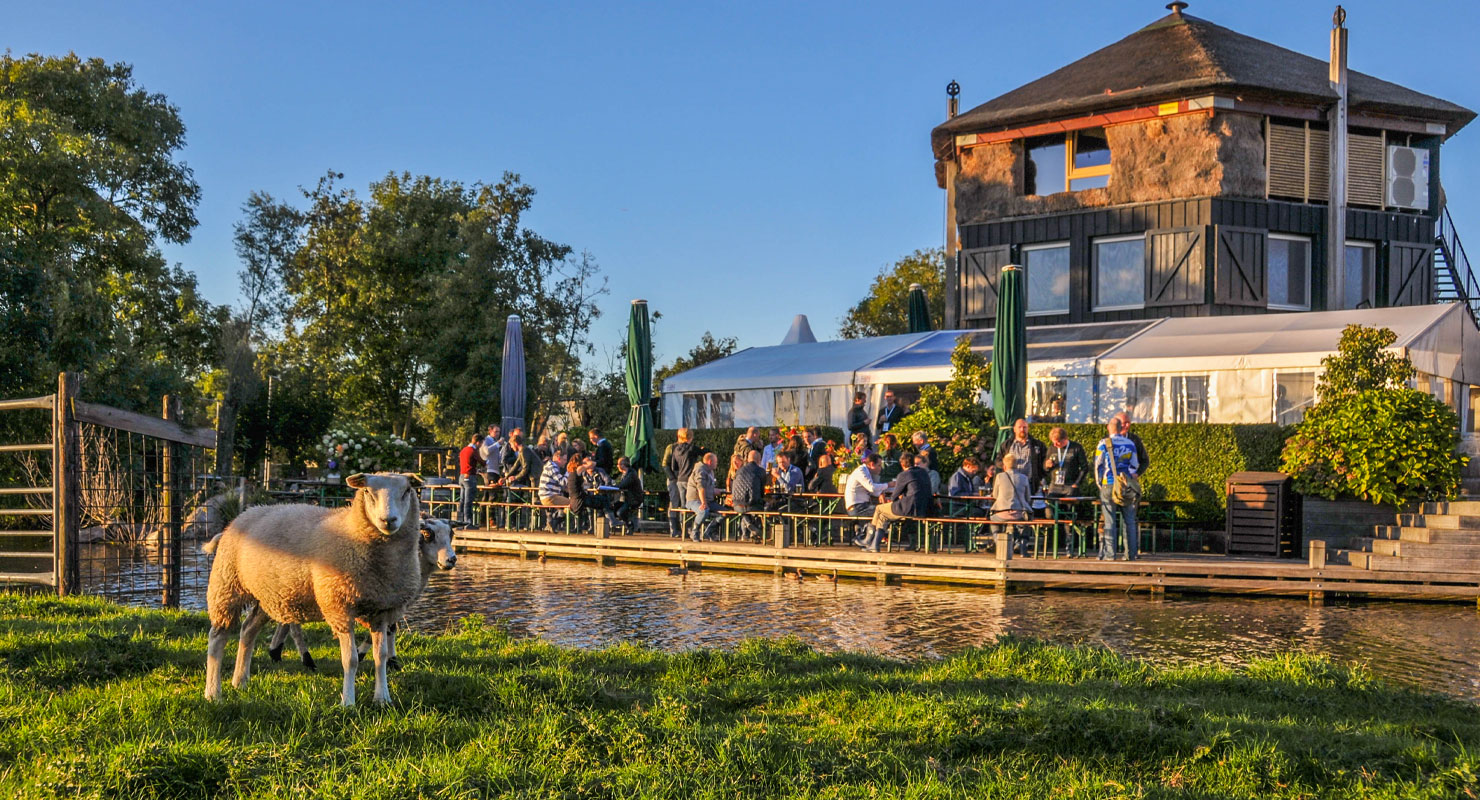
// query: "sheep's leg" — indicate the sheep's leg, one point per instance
point(351, 661)
point(300, 642)
point(380, 642)
point(255, 620)
point(275, 647)
point(215, 650)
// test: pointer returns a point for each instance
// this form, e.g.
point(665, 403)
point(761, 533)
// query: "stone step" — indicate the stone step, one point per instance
point(1428, 535)
point(1451, 521)
point(1462, 507)
point(1395, 564)
point(1352, 558)
point(1407, 549)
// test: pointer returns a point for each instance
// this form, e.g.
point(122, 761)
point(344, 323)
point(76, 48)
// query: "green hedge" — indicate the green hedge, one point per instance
point(1190, 464)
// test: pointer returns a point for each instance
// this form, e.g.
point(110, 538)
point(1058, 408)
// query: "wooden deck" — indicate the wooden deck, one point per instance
point(1155, 573)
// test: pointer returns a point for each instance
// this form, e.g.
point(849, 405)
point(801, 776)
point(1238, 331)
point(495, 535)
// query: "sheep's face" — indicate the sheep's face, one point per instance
point(389, 498)
point(436, 543)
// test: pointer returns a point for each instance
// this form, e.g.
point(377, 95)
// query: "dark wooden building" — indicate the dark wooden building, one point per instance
point(1184, 171)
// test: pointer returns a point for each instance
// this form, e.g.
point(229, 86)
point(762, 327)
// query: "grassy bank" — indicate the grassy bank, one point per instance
point(103, 701)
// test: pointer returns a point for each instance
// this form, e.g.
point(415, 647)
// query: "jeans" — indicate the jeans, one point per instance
point(469, 484)
point(675, 502)
point(1113, 514)
point(864, 511)
point(701, 515)
point(750, 524)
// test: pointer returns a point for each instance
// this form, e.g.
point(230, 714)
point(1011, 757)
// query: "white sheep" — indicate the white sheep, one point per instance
point(437, 552)
point(301, 563)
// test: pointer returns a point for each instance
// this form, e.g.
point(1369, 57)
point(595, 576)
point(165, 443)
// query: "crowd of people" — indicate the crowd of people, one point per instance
point(769, 469)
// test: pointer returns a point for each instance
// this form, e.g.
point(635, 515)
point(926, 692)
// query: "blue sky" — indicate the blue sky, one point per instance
point(733, 163)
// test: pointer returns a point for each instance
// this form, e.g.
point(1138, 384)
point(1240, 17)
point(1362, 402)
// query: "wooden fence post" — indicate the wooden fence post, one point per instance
point(66, 465)
point(170, 496)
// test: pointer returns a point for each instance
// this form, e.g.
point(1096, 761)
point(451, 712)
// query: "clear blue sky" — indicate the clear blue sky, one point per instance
point(734, 163)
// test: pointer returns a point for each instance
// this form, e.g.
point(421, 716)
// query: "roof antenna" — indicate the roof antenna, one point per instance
point(1176, 7)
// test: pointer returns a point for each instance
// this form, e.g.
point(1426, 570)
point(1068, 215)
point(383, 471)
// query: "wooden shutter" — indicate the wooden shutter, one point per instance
point(1318, 157)
point(979, 273)
point(1364, 170)
point(1239, 267)
point(1285, 156)
point(1410, 273)
point(1176, 267)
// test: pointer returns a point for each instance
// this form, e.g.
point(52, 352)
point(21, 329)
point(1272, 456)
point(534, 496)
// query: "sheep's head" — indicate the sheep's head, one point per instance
point(389, 498)
point(436, 543)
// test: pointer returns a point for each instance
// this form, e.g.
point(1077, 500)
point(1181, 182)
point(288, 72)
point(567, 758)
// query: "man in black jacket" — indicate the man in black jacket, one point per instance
point(748, 495)
point(1065, 466)
point(824, 480)
point(601, 450)
point(890, 414)
point(858, 419)
point(678, 465)
point(1030, 454)
point(912, 500)
point(630, 499)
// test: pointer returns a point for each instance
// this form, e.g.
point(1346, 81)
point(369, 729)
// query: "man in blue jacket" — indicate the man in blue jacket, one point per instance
point(912, 500)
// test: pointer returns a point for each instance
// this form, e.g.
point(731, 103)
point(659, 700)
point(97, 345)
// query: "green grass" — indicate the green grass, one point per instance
point(97, 700)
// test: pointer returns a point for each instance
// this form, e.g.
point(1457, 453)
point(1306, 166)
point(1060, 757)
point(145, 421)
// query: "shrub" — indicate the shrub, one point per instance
point(953, 415)
point(350, 448)
point(1190, 463)
point(1371, 436)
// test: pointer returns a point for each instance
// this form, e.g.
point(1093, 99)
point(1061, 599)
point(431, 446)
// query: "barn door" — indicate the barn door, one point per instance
point(1176, 270)
point(1410, 273)
point(1239, 267)
point(979, 272)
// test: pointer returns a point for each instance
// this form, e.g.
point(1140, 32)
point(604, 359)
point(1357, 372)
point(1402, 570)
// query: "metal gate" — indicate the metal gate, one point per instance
point(97, 500)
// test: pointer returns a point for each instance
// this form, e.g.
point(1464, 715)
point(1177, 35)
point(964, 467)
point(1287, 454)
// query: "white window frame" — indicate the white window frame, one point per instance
point(1370, 277)
point(1027, 276)
point(1094, 257)
point(1309, 248)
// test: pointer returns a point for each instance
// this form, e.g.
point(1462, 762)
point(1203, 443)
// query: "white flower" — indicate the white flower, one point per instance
point(357, 446)
point(413, 440)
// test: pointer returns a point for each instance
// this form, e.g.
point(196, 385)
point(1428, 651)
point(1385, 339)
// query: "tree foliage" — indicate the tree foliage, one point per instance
point(953, 416)
point(90, 179)
point(708, 349)
point(1371, 436)
point(884, 311)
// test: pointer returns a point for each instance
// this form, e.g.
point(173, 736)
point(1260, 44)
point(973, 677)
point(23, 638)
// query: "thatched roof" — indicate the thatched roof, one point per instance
point(1180, 55)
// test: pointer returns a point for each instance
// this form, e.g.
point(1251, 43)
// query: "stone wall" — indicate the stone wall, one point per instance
point(1339, 522)
point(1167, 158)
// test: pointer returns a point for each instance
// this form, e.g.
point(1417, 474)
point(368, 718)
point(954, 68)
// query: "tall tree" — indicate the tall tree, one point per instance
point(708, 349)
point(90, 179)
point(884, 311)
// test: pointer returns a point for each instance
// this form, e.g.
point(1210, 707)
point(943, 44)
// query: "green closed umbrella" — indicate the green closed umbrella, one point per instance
point(919, 310)
point(639, 447)
point(1010, 353)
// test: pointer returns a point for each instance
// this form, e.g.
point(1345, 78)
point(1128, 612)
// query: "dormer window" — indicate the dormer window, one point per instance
point(1067, 162)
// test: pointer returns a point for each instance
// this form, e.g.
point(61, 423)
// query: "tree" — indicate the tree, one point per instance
point(884, 311)
point(708, 349)
point(1371, 436)
point(89, 181)
point(953, 415)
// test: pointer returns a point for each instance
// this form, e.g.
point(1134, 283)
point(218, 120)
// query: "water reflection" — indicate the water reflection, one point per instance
point(580, 605)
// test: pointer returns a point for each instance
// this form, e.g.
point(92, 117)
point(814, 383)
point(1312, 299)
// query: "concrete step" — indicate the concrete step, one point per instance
point(1351, 558)
point(1428, 535)
point(1396, 564)
point(1402, 549)
point(1462, 507)
point(1437, 520)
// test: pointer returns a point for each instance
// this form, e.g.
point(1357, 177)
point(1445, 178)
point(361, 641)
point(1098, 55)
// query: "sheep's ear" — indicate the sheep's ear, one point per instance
point(414, 478)
point(356, 481)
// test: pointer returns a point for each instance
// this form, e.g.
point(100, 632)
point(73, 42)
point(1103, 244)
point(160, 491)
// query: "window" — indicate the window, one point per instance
point(787, 406)
point(1074, 161)
point(1473, 417)
point(695, 411)
point(1186, 399)
point(1294, 393)
point(818, 410)
point(1289, 272)
point(1360, 273)
point(1046, 399)
point(1047, 268)
point(1120, 272)
point(1141, 400)
point(722, 410)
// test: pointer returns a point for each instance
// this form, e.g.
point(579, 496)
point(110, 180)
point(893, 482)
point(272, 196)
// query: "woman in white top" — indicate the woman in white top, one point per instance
point(1010, 500)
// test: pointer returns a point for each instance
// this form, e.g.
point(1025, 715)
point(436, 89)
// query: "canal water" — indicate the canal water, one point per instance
point(1432, 646)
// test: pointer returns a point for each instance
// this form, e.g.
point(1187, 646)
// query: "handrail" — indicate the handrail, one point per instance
point(1465, 283)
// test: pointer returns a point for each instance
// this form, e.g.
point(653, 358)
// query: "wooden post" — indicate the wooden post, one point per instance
point(1336, 173)
point(1003, 544)
point(953, 168)
point(170, 496)
point(1317, 554)
point(66, 450)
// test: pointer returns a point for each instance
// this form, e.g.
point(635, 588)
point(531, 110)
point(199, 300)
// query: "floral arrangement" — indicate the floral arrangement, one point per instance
point(350, 448)
point(844, 460)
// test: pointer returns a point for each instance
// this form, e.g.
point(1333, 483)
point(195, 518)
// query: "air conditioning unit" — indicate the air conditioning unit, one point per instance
point(1407, 179)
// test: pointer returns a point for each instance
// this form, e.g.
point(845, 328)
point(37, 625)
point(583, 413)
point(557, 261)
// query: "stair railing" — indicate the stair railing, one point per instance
point(1458, 263)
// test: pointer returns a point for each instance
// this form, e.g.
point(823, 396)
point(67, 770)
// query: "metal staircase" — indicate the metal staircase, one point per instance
point(1454, 281)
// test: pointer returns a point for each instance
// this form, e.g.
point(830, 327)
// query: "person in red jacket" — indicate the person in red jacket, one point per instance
point(469, 466)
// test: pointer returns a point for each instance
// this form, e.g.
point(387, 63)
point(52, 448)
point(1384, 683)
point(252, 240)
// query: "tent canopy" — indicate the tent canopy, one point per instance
point(1066, 349)
point(1300, 340)
point(790, 365)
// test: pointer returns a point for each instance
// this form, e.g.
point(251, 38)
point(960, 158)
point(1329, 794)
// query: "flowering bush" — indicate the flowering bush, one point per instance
point(350, 448)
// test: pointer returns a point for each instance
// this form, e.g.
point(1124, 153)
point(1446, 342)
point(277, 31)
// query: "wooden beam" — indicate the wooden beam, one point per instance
point(44, 401)
point(66, 480)
point(145, 425)
point(170, 494)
